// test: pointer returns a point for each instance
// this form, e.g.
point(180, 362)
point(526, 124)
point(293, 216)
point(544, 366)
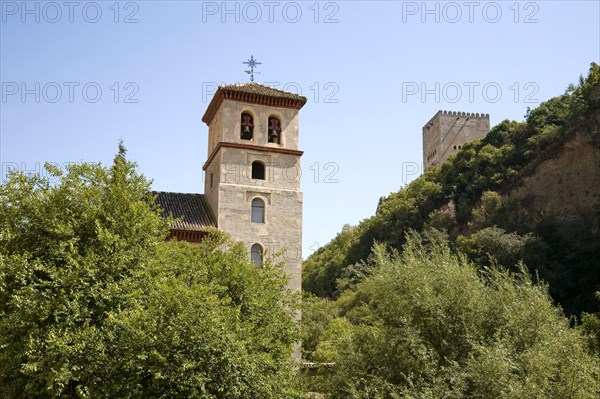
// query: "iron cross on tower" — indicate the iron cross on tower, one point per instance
point(252, 62)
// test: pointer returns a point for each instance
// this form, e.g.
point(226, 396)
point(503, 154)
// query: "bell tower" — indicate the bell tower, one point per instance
point(252, 172)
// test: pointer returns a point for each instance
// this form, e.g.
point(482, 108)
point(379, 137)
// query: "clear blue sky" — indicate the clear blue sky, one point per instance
point(374, 74)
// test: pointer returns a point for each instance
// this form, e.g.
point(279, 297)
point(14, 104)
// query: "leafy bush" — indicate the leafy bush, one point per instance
point(429, 323)
point(490, 211)
point(493, 244)
point(590, 323)
point(321, 270)
point(317, 313)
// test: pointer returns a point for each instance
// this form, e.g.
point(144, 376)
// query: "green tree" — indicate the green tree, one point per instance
point(493, 244)
point(205, 323)
point(317, 313)
point(591, 325)
point(430, 324)
point(94, 303)
point(489, 212)
point(321, 270)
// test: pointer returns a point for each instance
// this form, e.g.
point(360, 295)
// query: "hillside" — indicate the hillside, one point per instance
point(527, 191)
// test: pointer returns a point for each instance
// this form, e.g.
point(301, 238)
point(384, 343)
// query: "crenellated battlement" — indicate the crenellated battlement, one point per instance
point(458, 114)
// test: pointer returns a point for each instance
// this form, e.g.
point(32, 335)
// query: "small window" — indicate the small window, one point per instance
point(247, 127)
point(211, 180)
point(258, 211)
point(256, 255)
point(258, 170)
point(274, 132)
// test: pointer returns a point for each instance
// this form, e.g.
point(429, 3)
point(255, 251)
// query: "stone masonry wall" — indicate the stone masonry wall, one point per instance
point(233, 188)
point(448, 131)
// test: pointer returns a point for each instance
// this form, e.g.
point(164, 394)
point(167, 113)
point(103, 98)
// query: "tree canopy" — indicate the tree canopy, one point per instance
point(428, 323)
point(470, 312)
point(94, 302)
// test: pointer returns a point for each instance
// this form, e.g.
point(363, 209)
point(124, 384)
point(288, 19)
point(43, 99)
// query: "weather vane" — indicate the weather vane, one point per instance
point(252, 63)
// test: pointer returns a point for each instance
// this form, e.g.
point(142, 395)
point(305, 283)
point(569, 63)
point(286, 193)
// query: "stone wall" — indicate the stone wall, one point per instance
point(233, 188)
point(281, 193)
point(448, 131)
point(225, 125)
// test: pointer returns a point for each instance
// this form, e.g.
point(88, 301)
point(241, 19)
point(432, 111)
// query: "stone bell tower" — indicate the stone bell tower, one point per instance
point(252, 173)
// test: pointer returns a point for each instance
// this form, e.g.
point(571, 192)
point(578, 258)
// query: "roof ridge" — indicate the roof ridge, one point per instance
point(174, 192)
point(253, 93)
point(238, 84)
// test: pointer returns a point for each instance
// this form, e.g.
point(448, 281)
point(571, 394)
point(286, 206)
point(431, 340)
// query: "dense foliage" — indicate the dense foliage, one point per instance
point(591, 325)
point(94, 303)
point(485, 226)
point(430, 324)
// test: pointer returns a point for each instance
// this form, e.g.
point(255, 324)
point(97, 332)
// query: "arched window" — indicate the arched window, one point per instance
point(274, 131)
point(256, 255)
point(258, 170)
point(258, 211)
point(247, 126)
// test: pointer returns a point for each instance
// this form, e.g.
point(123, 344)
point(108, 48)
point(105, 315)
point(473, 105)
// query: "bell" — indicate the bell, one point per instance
point(273, 136)
point(246, 133)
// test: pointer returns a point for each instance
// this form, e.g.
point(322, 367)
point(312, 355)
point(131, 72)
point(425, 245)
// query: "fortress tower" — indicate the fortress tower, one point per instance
point(448, 131)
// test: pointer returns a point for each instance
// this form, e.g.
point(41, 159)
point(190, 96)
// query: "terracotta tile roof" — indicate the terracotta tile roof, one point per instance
point(254, 93)
point(193, 209)
point(257, 88)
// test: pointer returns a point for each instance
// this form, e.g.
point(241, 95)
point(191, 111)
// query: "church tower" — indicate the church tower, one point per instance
point(252, 173)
